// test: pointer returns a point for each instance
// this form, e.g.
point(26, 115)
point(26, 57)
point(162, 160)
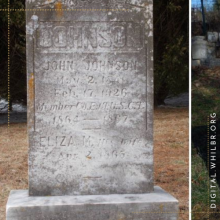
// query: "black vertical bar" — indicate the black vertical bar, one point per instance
point(203, 18)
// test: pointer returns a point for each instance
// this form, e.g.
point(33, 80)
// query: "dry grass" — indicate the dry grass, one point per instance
point(13, 161)
point(171, 157)
point(171, 154)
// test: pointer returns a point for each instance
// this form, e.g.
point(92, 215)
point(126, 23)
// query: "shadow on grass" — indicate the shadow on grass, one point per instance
point(199, 139)
point(205, 101)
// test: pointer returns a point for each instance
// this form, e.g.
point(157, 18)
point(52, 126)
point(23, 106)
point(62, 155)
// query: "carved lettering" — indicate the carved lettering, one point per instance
point(76, 39)
point(91, 82)
point(57, 141)
point(90, 35)
point(110, 65)
point(63, 65)
point(93, 106)
point(60, 36)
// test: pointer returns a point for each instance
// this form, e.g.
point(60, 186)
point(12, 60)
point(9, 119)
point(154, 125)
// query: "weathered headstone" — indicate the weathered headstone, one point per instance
point(90, 106)
point(196, 63)
point(199, 48)
point(212, 37)
point(89, 121)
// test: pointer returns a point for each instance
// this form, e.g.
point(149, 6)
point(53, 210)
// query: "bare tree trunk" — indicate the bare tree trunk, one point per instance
point(203, 18)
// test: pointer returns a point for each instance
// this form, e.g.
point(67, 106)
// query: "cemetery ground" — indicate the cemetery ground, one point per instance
point(170, 157)
point(205, 100)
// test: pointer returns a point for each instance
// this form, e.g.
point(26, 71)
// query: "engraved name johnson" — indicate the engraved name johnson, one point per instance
point(90, 35)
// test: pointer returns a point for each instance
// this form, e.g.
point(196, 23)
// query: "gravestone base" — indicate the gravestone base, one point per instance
point(158, 205)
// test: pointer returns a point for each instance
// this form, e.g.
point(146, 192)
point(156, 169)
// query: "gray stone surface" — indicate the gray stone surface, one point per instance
point(157, 205)
point(90, 114)
point(199, 48)
point(196, 63)
point(90, 96)
point(181, 100)
point(15, 117)
point(213, 37)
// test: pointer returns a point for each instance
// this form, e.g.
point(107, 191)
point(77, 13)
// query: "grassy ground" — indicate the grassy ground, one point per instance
point(171, 157)
point(171, 153)
point(13, 161)
point(205, 94)
point(205, 100)
point(200, 181)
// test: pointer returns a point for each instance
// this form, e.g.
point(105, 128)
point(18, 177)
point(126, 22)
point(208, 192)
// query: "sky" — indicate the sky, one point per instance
point(198, 2)
point(195, 2)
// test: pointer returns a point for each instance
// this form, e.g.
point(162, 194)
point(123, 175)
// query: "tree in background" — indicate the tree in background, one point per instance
point(17, 53)
point(203, 18)
point(216, 4)
point(170, 48)
point(3, 54)
point(18, 57)
point(213, 16)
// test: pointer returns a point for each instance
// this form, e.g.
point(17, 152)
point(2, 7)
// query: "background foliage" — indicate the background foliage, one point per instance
point(170, 48)
point(17, 52)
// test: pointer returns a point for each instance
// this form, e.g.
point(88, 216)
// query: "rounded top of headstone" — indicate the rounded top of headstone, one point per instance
point(198, 38)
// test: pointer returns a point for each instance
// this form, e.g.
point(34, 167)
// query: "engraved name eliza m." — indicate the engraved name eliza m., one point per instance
point(93, 35)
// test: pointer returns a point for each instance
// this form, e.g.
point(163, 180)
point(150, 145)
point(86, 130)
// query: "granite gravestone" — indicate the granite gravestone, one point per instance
point(90, 92)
